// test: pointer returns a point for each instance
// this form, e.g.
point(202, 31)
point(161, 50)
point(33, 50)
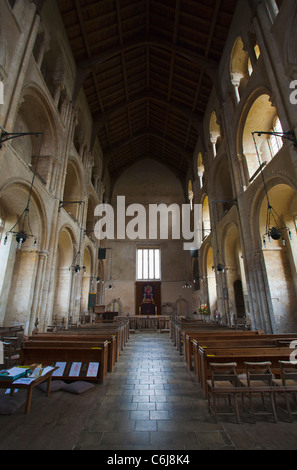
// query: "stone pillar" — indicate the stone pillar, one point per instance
point(35, 312)
point(235, 80)
point(260, 289)
point(62, 293)
point(22, 288)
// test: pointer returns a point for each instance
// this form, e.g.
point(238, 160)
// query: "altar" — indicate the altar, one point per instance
point(148, 298)
point(148, 309)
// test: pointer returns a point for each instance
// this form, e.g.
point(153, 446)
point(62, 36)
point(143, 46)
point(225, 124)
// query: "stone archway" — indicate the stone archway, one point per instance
point(279, 256)
point(20, 264)
point(63, 278)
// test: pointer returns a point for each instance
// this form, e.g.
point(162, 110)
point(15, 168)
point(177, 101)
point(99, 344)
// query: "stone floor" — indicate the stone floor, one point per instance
point(150, 402)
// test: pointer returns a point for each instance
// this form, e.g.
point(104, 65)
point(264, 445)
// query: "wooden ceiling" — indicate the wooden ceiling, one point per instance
point(147, 68)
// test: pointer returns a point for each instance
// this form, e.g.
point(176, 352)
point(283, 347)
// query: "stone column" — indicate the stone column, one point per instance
point(35, 312)
point(280, 83)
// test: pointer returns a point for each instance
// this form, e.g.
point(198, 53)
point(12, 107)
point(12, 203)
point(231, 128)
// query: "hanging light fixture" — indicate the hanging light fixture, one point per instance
point(187, 285)
point(273, 229)
point(23, 221)
point(221, 266)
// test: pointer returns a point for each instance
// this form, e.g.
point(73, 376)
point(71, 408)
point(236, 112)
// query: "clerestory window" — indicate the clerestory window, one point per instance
point(148, 264)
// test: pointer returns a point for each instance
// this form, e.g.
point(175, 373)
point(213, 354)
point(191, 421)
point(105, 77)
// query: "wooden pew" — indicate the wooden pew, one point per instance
point(244, 339)
point(60, 336)
point(216, 335)
point(119, 327)
point(48, 353)
point(10, 330)
point(180, 324)
point(239, 355)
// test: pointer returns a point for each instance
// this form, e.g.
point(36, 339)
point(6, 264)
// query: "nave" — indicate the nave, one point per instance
point(150, 401)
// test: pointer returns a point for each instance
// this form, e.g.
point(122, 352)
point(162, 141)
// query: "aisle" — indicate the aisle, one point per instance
point(152, 402)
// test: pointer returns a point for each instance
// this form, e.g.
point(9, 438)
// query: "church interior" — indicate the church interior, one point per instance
point(148, 223)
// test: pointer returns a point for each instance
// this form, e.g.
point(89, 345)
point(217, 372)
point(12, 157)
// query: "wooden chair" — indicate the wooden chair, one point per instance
point(288, 378)
point(222, 384)
point(260, 378)
point(11, 355)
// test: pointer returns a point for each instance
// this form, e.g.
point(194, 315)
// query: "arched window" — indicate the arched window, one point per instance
point(275, 142)
point(239, 68)
point(262, 116)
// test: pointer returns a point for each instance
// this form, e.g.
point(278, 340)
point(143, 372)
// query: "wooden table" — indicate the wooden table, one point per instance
point(29, 387)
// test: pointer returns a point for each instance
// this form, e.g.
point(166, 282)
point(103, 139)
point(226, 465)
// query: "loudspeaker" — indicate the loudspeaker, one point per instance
point(102, 253)
point(194, 254)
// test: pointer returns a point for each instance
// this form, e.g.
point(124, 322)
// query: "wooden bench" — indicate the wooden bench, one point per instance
point(10, 330)
point(239, 390)
point(119, 327)
point(242, 339)
point(67, 337)
point(55, 351)
point(189, 336)
point(240, 355)
point(177, 328)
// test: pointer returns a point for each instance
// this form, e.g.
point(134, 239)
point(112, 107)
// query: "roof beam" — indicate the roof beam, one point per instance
point(101, 119)
point(148, 133)
point(86, 67)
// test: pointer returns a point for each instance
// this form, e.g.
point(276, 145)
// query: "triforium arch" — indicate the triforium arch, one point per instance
point(220, 186)
point(73, 190)
point(260, 115)
point(278, 256)
point(21, 267)
point(239, 68)
point(200, 169)
point(35, 115)
point(90, 222)
point(214, 133)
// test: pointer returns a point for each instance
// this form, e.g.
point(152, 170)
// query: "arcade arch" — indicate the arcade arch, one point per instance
point(63, 274)
point(20, 264)
point(279, 258)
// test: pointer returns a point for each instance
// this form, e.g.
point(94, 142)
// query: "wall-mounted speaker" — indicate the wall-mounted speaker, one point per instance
point(102, 253)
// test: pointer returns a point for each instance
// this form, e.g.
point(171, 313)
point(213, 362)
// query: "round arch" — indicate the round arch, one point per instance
point(63, 273)
point(73, 188)
point(236, 279)
point(279, 258)
point(17, 290)
point(258, 116)
point(35, 108)
point(239, 67)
